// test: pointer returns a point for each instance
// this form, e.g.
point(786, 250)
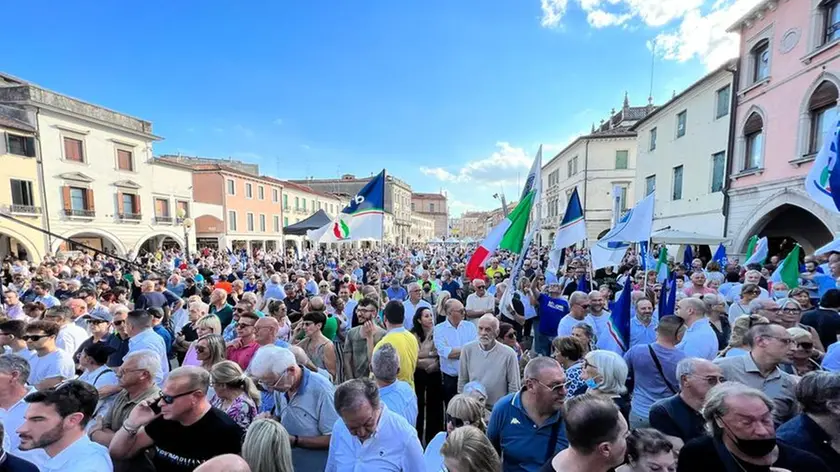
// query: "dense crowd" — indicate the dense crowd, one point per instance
point(390, 359)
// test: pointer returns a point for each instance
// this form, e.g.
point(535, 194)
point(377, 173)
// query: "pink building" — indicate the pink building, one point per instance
point(787, 91)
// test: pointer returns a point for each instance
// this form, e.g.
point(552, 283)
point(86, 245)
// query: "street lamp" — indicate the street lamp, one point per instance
point(186, 223)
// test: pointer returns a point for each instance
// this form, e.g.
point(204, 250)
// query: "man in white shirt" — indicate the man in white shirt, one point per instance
point(449, 337)
point(369, 435)
point(50, 365)
point(55, 422)
point(396, 394)
point(12, 407)
point(141, 336)
point(413, 303)
point(11, 338)
point(599, 318)
point(70, 336)
point(42, 291)
point(699, 339)
point(480, 302)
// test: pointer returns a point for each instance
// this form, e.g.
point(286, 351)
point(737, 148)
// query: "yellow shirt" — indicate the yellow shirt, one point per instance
point(407, 348)
point(492, 272)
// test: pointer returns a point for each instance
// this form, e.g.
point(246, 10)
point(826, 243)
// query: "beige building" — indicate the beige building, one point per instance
point(681, 154)
point(594, 164)
point(422, 229)
point(102, 189)
point(433, 206)
point(397, 198)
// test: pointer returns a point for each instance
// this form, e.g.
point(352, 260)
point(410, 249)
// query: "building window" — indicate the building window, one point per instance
point(275, 195)
point(20, 145)
point(304, 204)
point(650, 184)
point(297, 203)
point(760, 57)
point(652, 146)
point(22, 197)
point(162, 210)
point(78, 200)
point(285, 221)
point(249, 219)
point(412, 206)
point(276, 221)
point(822, 109)
point(285, 202)
point(261, 192)
point(74, 150)
point(722, 102)
point(262, 223)
point(129, 204)
point(621, 159)
point(676, 193)
point(718, 171)
point(231, 220)
point(681, 118)
point(431, 207)
point(754, 142)
point(182, 209)
point(622, 203)
point(231, 187)
point(831, 14)
point(125, 160)
point(572, 167)
point(249, 190)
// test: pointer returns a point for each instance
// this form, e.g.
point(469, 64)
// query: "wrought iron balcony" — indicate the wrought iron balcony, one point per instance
point(130, 216)
point(164, 220)
point(75, 212)
point(25, 209)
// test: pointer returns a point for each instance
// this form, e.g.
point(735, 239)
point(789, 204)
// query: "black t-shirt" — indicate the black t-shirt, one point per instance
point(672, 416)
point(825, 322)
point(181, 448)
point(705, 455)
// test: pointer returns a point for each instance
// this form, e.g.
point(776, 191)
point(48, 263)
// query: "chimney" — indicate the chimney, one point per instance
point(626, 100)
point(650, 105)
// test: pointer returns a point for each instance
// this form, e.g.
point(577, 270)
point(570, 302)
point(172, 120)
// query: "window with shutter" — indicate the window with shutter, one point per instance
point(73, 150)
point(760, 57)
point(677, 184)
point(20, 145)
point(823, 113)
point(754, 141)
point(124, 160)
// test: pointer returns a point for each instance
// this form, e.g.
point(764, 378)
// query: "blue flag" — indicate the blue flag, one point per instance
point(663, 298)
point(619, 323)
point(648, 262)
point(671, 302)
point(720, 256)
point(688, 256)
point(582, 286)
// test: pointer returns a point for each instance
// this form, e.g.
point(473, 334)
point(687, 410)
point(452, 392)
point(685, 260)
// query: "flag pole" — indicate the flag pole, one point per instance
point(645, 262)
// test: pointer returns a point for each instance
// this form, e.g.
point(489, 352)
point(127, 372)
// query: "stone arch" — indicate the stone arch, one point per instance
point(764, 213)
point(113, 239)
point(35, 254)
point(166, 233)
point(804, 134)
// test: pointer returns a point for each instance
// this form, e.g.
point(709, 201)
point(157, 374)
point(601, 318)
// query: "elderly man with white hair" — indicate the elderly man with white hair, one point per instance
point(490, 363)
point(480, 302)
point(414, 302)
point(396, 394)
point(750, 277)
point(303, 403)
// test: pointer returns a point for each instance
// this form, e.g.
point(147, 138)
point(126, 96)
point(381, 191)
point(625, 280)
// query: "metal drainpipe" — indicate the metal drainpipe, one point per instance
point(585, 174)
point(730, 147)
point(41, 180)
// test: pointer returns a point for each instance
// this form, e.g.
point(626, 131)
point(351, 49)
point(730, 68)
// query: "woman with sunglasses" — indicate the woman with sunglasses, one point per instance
point(806, 358)
point(210, 350)
point(738, 345)
point(208, 324)
point(790, 316)
point(507, 336)
point(462, 411)
point(235, 393)
point(749, 292)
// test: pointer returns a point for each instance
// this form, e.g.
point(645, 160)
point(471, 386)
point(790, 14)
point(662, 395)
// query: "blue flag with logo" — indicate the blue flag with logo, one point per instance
point(688, 256)
point(720, 256)
point(619, 323)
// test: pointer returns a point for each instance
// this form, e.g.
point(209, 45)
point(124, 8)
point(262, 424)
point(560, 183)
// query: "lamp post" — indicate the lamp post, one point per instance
point(186, 223)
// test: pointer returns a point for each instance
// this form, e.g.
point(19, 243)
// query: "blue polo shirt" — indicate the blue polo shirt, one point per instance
point(522, 444)
point(551, 311)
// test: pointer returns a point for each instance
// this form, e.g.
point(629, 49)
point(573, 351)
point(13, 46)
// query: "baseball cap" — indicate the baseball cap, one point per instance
point(99, 313)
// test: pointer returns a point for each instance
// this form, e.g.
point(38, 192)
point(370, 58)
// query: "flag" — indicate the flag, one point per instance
point(582, 286)
point(751, 245)
point(506, 303)
point(619, 322)
point(668, 297)
point(572, 229)
point(833, 246)
point(555, 260)
point(688, 256)
point(720, 256)
point(662, 271)
point(788, 270)
point(362, 218)
point(760, 253)
point(647, 260)
point(822, 178)
point(634, 227)
point(662, 303)
point(510, 232)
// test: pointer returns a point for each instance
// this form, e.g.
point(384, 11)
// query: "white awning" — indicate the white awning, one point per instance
point(673, 236)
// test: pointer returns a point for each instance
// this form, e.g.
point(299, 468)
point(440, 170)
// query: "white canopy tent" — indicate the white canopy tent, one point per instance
point(675, 237)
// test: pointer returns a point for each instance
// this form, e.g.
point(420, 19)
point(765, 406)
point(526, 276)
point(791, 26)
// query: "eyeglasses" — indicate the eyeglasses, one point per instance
point(170, 399)
point(510, 335)
point(95, 321)
point(791, 310)
point(306, 324)
point(201, 349)
point(559, 388)
point(240, 310)
point(584, 305)
point(243, 325)
point(785, 341)
point(713, 379)
point(34, 337)
point(119, 322)
point(806, 345)
point(456, 422)
point(480, 287)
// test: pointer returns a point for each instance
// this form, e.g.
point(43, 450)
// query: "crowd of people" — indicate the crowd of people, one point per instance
point(389, 358)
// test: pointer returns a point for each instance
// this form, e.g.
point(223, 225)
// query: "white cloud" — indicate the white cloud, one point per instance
point(602, 19)
point(505, 166)
point(553, 11)
point(604, 13)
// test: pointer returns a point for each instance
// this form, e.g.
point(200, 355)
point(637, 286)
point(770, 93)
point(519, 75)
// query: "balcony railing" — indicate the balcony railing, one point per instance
point(164, 220)
point(79, 213)
point(25, 209)
point(130, 216)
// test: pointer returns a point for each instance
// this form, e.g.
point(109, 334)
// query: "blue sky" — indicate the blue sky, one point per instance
point(447, 95)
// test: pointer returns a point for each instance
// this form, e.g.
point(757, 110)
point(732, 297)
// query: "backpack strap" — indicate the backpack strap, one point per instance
point(659, 368)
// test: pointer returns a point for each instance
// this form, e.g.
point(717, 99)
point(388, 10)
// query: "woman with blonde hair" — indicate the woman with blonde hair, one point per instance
point(210, 350)
point(440, 312)
point(235, 393)
point(716, 312)
point(207, 324)
point(806, 358)
point(738, 345)
point(267, 447)
point(463, 410)
point(467, 449)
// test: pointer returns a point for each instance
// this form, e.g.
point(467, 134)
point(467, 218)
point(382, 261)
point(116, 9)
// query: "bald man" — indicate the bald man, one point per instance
point(699, 339)
point(224, 463)
point(266, 331)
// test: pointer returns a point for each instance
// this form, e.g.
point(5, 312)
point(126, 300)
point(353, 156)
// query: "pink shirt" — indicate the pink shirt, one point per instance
point(691, 291)
point(242, 355)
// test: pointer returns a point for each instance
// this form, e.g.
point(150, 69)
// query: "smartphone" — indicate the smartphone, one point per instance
point(155, 405)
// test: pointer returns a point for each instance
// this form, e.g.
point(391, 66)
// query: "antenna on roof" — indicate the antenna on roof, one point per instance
point(652, 63)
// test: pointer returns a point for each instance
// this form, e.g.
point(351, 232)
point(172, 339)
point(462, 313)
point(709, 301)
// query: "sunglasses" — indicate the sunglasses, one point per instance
point(806, 345)
point(510, 335)
point(559, 388)
point(119, 322)
point(170, 399)
point(34, 337)
point(243, 325)
point(201, 349)
point(456, 422)
point(240, 310)
point(93, 321)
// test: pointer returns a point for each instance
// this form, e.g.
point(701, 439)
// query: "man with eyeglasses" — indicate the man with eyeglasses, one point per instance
point(99, 325)
point(243, 348)
point(137, 378)
point(180, 426)
point(51, 365)
point(303, 404)
point(361, 339)
point(526, 427)
point(14, 373)
point(679, 416)
point(119, 339)
point(414, 302)
point(11, 339)
point(142, 336)
point(770, 346)
point(450, 337)
point(480, 302)
point(70, 336)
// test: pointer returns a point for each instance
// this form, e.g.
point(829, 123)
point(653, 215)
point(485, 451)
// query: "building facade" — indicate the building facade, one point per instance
point(422, 229)
point(300, 202)
point(787, 92)
point(594, 164)
point(102, 189)
point(21, 192)
point(681, 155)
point(397, 198)
point(433, 206)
